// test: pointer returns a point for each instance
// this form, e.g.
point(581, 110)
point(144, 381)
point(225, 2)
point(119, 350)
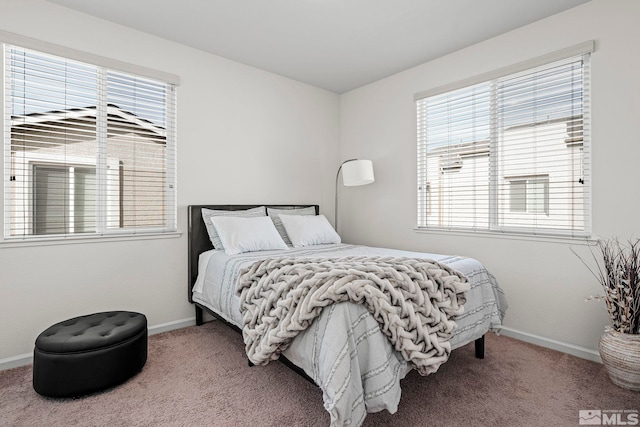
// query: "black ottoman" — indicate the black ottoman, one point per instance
point(89, 353)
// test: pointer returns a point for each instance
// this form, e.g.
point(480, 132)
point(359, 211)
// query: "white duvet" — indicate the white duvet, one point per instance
point(344, 351)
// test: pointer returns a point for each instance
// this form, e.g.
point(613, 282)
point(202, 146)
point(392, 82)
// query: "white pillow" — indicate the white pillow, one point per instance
point(245, 234)
point(307, 230)
point(275, 213)
point(207, 214)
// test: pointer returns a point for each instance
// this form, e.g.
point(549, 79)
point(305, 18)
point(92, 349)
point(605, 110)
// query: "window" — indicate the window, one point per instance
point(509, 151)
point(529, 195)
point(64, 199)
point(88, 150)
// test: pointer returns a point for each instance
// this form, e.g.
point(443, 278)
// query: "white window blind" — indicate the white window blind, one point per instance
point(87, 150)
point(510, 154)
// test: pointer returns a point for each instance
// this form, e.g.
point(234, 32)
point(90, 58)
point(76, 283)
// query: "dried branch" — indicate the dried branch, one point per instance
point(617, 269)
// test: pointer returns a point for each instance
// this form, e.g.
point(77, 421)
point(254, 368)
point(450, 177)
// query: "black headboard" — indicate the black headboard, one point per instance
point(199, 239)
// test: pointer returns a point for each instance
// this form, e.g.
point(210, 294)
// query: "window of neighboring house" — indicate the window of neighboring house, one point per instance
point(87, 150)
point(529, 195)
point(509, 152)
point(64, 199)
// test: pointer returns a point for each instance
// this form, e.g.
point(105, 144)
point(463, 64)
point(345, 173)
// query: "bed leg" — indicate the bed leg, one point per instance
point(480, 348)
point(251, 365)
point(199, 314)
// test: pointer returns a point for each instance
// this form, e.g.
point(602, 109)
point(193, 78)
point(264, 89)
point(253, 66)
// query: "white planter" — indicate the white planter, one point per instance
point(620, 355)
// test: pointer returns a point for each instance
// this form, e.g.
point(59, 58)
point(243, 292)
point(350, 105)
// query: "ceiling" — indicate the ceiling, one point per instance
point(338, 45)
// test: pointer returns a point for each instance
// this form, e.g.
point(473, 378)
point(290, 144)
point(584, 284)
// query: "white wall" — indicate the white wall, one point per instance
point(545, 283)
point(244, 136)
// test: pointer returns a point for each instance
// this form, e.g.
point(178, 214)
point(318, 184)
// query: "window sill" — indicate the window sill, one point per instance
point(587, 241)
point(71, 240)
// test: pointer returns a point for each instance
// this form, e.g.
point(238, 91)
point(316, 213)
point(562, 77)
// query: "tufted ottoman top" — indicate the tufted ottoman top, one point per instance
point(91, 332)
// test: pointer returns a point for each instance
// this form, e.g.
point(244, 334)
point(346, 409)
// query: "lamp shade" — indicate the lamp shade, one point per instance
point(357, 172)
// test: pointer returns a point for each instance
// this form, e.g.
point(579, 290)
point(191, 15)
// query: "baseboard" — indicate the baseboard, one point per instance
point(170, 326)
point(27, 358)
point(16, 361)
point(582, 352)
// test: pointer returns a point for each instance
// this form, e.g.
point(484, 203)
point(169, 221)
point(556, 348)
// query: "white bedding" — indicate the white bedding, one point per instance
point(354, 365)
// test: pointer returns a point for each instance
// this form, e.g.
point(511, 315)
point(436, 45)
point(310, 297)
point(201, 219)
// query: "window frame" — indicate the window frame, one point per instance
point(169, 227)
point(494, 228)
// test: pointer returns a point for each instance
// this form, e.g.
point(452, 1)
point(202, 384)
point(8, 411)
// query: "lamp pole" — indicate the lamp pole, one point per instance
point(335, 214)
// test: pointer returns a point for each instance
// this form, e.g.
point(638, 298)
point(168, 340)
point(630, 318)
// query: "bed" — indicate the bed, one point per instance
point(354, 364)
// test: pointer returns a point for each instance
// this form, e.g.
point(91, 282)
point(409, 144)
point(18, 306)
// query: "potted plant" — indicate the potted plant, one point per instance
point(618, 271)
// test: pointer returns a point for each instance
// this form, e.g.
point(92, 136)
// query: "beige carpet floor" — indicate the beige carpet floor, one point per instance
point(199, 376)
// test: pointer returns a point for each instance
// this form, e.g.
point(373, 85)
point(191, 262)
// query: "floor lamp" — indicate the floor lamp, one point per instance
point(354, 172)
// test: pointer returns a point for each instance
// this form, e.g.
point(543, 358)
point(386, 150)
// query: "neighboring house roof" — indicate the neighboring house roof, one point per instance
point(478, 148)
point(451, 156)
point(463, 149)
point(80, 121)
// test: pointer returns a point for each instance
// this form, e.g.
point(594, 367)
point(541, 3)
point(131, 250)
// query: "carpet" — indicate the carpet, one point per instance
point(199, 376)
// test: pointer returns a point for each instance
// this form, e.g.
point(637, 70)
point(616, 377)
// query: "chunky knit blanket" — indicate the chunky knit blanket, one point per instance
point(415, 301)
